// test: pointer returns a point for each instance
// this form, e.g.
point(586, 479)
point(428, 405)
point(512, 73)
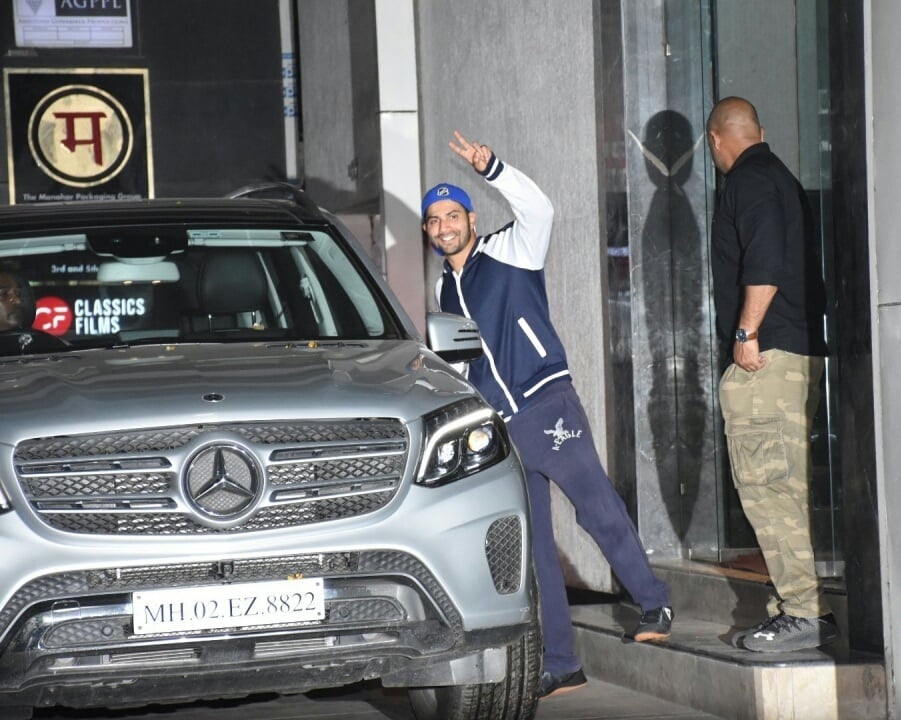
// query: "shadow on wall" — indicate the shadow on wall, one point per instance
point(677, 335)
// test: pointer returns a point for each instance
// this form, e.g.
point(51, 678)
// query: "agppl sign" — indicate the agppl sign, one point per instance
point(102, 8)
point(72, 23)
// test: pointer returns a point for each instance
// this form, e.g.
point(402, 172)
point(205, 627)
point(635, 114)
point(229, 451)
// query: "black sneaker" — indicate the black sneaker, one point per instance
point(787, 633)
point(654, 625)
point(550, 685)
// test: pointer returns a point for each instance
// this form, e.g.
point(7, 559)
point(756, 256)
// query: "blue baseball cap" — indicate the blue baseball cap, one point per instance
point(445, 191)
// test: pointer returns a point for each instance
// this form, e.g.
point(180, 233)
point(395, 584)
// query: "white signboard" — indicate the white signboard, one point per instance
point(73, 23)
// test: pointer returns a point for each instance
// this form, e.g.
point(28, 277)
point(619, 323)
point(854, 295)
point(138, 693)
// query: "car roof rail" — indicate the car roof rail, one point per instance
point(276, 189)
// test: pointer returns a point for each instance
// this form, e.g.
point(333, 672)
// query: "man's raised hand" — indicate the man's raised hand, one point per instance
point(472, 152)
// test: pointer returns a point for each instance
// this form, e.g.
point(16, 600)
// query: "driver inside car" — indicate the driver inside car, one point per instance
point(12, 311)
point(17, 309)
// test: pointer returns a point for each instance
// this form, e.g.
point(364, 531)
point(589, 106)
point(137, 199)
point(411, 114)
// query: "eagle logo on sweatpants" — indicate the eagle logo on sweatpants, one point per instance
point(561, 435)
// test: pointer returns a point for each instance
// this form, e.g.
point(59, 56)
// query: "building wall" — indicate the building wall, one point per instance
point(339, 104)
point(883, 104)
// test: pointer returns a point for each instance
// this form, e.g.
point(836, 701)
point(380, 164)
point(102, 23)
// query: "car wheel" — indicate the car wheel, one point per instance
point(514, 698)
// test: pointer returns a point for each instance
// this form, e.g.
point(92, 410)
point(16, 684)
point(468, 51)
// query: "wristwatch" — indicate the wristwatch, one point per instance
point(742, 335)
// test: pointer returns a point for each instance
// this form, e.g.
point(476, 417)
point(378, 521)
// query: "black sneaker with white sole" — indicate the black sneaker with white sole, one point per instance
point(654, 625)
point(787, 633)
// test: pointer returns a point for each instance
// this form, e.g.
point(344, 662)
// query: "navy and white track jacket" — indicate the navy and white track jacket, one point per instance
point(502, 288)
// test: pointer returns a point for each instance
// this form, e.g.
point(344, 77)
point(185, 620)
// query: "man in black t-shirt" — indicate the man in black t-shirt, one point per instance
point(770, 301)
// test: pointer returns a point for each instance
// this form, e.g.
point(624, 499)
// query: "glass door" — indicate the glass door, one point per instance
point(663, 65)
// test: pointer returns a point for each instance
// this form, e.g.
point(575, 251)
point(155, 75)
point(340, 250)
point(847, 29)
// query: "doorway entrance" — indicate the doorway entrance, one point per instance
point(669, 446)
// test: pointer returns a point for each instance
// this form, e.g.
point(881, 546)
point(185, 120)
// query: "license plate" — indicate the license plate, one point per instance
point(214, 607)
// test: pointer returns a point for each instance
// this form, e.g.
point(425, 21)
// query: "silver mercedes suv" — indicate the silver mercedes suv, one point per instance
point(229, 464)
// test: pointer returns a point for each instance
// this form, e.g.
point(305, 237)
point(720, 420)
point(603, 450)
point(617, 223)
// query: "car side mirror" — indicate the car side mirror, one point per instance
point(453, 338)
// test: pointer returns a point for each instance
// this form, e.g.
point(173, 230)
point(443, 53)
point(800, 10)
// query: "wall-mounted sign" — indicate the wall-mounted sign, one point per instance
point(78, 134)
point(72, 23)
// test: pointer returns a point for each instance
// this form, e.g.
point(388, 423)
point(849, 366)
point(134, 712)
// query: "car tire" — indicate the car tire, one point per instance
point(514, 698)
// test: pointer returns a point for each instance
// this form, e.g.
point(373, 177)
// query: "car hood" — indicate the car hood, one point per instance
point(160, 385)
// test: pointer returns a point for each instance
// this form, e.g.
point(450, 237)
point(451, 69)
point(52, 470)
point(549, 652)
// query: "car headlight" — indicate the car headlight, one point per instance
point(461, 439)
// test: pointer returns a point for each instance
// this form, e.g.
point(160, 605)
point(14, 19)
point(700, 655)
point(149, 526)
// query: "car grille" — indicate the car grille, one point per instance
point(133, 482)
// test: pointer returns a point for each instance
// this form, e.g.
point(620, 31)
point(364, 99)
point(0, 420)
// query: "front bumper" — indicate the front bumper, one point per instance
point(229, 668)
point(70, 637)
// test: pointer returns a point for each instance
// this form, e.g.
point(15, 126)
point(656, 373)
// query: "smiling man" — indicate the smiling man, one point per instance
point(451, 224)
point(498, 280)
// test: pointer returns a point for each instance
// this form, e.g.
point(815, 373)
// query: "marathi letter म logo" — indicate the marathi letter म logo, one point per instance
point(80, 135)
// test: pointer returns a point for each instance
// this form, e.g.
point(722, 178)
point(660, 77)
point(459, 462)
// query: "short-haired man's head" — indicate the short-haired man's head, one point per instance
point(11, 310)
point(735, 111)
point(732, 127)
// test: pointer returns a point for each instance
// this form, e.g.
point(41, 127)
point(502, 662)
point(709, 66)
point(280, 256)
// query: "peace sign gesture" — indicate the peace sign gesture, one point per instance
point(472, 152)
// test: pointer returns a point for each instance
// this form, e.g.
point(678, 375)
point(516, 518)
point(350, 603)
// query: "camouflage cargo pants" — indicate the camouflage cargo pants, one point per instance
point(768, 416)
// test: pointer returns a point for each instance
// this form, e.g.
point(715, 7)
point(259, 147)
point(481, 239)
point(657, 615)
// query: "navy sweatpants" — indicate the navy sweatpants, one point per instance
point(554, 439)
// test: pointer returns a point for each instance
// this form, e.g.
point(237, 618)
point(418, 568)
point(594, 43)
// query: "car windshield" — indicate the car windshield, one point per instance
point(119, 286)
